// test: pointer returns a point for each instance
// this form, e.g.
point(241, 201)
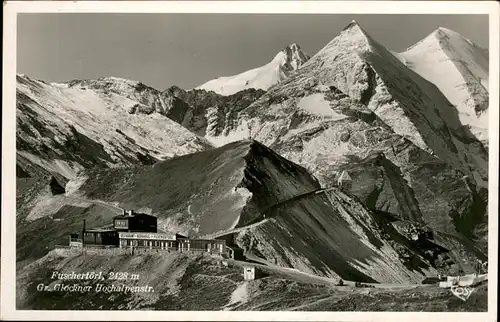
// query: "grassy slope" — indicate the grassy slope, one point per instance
point(169, 187)
point(194, 282)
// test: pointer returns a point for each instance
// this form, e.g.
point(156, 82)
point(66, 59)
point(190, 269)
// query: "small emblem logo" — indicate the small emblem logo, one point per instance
point(462, 293)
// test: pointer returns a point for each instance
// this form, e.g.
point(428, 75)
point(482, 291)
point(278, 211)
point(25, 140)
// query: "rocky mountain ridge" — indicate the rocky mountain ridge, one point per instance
point(209, 114)
point(65, 128)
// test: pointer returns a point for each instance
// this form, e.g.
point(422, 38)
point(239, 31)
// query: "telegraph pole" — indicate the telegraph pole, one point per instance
point(83, 233)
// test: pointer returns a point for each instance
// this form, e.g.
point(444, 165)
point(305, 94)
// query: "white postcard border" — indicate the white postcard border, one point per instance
point(8, 254)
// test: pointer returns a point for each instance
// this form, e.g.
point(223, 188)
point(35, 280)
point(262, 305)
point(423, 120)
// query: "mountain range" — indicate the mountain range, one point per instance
point(259, 157)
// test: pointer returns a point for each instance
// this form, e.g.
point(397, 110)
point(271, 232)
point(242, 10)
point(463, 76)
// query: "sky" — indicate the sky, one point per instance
point(187, 50)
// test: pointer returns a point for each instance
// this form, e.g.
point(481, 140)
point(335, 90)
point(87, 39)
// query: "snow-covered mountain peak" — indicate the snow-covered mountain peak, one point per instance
point(459, 68)
point(355, 35)
point(449, 41)
point(281, 66)
point(442, 32)
point(352, 40)
point(369, 74)
point(353, 25)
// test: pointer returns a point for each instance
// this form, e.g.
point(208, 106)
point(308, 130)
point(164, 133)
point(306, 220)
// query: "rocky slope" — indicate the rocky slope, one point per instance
point(459, 68)
point(64, 128)
point(281, 67)
point(207, 113)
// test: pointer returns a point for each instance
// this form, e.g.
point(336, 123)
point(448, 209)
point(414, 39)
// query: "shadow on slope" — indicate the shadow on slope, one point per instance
point(331, 234)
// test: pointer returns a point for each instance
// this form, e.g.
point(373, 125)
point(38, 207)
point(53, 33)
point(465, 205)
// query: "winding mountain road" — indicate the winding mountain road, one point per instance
point(265, 219)
point(303, 277)
point(96, 202)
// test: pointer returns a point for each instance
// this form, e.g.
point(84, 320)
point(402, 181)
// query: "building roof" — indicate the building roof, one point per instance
point(99, 230)
point(122, 216)
point(201, 240)
point(133, 215)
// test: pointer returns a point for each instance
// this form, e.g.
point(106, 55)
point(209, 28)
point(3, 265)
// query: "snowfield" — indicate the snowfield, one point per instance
point(316, 105)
